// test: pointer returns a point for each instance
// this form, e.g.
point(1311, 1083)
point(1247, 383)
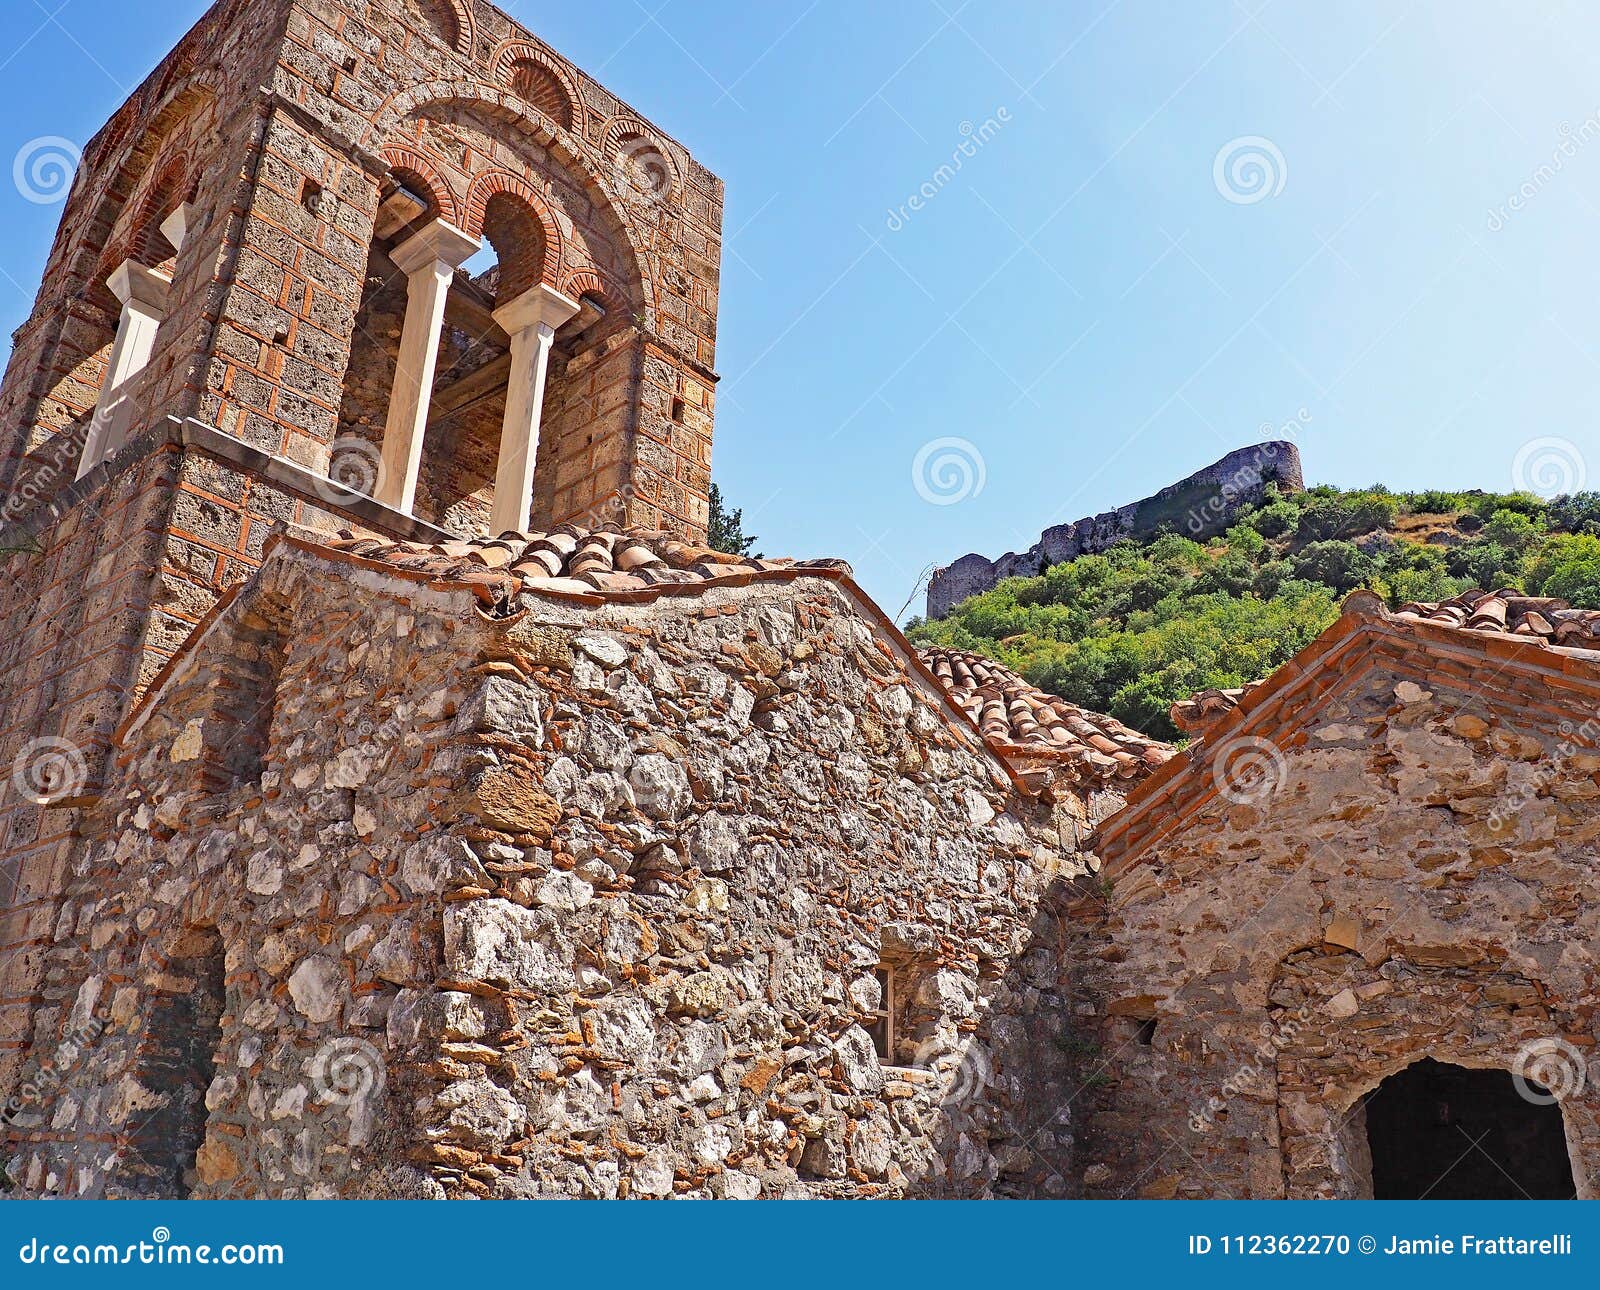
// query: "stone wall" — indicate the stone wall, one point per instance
point(587, 901)
point(105, 577)
point(1199, 507)
point(1408, 876)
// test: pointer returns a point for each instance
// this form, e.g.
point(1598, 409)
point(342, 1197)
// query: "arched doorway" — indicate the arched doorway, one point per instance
point(1442, 1132)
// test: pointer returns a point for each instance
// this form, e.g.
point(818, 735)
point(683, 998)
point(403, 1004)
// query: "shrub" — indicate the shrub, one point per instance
point(1339, 565)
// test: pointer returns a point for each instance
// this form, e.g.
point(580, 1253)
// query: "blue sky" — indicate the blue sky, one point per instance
point(1092, 301)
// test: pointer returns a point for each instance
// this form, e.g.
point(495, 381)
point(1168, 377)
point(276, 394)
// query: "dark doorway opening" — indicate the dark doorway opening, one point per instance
point(177, 1062)
point(1441, 1132)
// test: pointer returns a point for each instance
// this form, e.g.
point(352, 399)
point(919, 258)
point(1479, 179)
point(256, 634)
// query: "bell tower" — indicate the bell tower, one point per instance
point(402, 270)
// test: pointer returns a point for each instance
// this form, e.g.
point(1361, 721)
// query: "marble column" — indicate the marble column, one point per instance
point(429, 260)
point(144, 296)
point(531, 321)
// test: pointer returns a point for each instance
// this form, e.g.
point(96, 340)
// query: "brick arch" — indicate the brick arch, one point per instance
point(174, 183)
point(143, 147)
point(583, 282)
point(496, 183)
point(442, 200)
point(552, 92)
point(456, 19)
point(625, 132)
point(629, 246)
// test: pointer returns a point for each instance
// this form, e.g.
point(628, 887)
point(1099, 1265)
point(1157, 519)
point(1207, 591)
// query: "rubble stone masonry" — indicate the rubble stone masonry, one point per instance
point(584, 901)
point(1412, 878)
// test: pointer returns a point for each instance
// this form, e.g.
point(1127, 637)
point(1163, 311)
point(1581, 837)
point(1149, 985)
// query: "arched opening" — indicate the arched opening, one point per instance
point(461, 449)
point(176, 1064)
point(1442, 1132)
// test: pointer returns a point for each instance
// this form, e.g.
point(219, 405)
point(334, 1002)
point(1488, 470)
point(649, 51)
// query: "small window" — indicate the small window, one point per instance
point(880, 1022)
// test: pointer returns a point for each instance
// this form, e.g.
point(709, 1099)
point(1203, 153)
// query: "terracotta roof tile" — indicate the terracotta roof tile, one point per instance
point(569, 559)
point(1019, 719)
point(1193, 714)
point(1555, 622)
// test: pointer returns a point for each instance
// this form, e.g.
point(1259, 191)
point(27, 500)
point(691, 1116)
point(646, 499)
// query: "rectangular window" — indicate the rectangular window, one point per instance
point(880, 1022)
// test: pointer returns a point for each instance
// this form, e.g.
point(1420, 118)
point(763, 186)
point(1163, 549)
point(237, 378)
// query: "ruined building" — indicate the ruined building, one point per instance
point(404, 801)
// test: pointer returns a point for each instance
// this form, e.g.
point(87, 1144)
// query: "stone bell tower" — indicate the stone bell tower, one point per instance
point(401, 269)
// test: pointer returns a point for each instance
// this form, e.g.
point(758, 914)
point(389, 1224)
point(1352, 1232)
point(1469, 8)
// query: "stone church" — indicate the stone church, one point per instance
point(403, 800)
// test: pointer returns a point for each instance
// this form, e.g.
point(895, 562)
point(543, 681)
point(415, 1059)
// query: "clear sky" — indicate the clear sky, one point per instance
point(1175, 226)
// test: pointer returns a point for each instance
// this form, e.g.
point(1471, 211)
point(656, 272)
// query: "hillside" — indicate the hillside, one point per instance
point(1130, 631)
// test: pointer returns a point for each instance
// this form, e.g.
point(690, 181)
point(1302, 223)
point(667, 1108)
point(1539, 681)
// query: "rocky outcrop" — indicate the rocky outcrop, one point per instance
point(1200, 506)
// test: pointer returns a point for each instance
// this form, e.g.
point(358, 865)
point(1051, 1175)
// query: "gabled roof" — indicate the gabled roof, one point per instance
point(1021, 721)
point(568, 559)
point(612, 566)
point(1511, 670)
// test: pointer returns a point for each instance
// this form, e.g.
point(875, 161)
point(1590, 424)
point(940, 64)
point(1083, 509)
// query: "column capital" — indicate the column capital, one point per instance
point(140, 286)
point(540, 305)
point(435, 243)
point(175, 228)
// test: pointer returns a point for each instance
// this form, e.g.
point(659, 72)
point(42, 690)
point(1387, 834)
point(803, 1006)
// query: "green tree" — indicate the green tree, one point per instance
point(726, 531)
